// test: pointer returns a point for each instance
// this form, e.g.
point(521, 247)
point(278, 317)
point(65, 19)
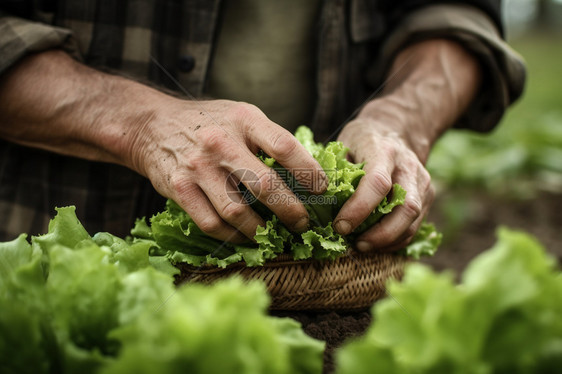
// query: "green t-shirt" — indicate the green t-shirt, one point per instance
point(265, 56)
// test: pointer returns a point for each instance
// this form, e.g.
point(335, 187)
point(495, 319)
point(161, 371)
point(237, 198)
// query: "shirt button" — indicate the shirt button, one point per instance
point(186, 63)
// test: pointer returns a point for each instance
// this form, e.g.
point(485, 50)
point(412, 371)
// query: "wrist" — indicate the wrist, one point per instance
point(431, 85)
point(124, 120)
point(395, 116)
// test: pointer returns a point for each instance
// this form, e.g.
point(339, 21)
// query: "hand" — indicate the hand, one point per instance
point(388, 160)
point(196, 152)
point(432, 84)
point(193, 152)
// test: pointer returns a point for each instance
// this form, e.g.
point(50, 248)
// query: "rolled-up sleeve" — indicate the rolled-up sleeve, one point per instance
point(504, 69)
point(19, 37)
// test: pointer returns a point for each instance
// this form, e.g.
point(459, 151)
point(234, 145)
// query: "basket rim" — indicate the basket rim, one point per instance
point(283, 259)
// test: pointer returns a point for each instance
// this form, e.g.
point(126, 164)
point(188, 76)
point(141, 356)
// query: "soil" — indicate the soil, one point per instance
point(540, 216)
point(469, 228)
point(332, 327)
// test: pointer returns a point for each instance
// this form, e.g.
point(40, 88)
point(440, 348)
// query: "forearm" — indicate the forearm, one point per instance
point(52, 102)
point(193, 152)
point(429, 86)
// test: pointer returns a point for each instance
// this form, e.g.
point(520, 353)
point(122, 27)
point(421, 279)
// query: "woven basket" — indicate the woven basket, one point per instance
point(352, 282)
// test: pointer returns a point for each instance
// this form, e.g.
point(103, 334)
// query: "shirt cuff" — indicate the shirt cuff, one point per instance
point(504, 70)
point(19, 37)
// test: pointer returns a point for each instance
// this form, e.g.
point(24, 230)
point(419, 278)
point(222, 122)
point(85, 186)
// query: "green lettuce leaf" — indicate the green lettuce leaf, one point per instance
point(84, 309)
point(19, 265)
point(26, 339)
point(142, 291)
point(502, 318)
point(141, 230)
point(324, 243)
point(203, 329)
point(65, 230)
point(305, 136)
point(271, 239)
point(104, 306)
point(26, 343)
point(425, 242)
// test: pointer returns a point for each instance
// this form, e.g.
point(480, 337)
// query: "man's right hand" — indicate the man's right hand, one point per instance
point(196, 152)
point(193, 152)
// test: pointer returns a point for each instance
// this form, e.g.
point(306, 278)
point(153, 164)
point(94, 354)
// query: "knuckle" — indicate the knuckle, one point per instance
point(412, 208)
point(284, 144)
point(196, 161)
point(210, 225)
point(379, 182)
point(180, 185)
point(430, 194)
point(425, 174)
point(390, 149)
point(215, 141)
point(410, 232)
point(242, 112)
point(410, 161)
point(233, 211)
point(426, 178)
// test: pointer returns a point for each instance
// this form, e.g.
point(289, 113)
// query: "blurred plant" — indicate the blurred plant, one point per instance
point(504, 317)
point(72, 303)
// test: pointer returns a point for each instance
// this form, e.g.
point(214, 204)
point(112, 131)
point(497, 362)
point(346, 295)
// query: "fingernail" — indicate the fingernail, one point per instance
point(343, 227)
point(302, 224)
point(364, 246)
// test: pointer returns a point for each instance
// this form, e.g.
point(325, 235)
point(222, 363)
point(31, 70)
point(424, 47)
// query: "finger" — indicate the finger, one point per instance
point(263, 182)
point(363, 245)
point(394, 226)
point(400, 225)
point(197, 205)
point(372, 188)
point(269, 188)
point(280, 144)
point(389, 249)
point(230, 205)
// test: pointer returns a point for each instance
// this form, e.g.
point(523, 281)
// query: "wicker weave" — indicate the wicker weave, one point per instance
point(353, 281)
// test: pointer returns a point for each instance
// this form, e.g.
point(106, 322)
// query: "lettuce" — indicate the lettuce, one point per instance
point(425, 242)
point(504, 317)
point(25, 335)
point(72, 303)
point(176, 236)
point(203, 329)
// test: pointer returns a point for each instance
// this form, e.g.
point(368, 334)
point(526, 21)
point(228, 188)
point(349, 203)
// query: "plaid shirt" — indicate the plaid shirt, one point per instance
point(356, 42)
